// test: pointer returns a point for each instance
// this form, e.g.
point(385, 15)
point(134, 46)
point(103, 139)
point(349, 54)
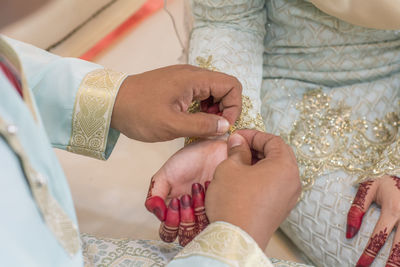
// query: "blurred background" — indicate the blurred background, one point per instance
point(132, 36)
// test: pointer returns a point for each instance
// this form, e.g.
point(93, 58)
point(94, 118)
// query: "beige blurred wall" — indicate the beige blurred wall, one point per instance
point(71, 27)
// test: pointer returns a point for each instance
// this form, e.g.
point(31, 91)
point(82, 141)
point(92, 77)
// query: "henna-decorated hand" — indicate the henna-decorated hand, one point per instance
point(386, 193)
point(184, 174)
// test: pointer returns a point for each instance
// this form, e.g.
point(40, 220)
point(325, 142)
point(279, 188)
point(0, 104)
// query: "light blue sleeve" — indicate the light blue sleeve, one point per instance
point(74, 97)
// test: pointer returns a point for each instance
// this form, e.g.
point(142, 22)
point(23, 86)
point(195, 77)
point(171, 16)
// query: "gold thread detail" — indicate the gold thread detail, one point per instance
point(92, 112)
point(326, 139)
point(226, 243)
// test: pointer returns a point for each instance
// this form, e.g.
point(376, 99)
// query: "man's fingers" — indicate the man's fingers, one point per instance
point(363, 199)
point(265, 143)
point(223, 88)
point(155, 200)
point(169, 229)
point(198, 196)
point(201, 124)
point(187, 226)
point(381, 232)
point(394, 257)
point(238, 149)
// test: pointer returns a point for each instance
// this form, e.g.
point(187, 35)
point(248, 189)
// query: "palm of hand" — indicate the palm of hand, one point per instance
point(195, 163)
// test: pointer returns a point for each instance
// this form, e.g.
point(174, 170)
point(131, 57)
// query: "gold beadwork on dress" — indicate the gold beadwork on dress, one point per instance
point(92, 112)
point(326, 138)
point(245, 121)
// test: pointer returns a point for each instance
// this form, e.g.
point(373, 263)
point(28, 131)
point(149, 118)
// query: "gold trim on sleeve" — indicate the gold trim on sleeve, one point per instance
point(227, 243)
point(91, 116)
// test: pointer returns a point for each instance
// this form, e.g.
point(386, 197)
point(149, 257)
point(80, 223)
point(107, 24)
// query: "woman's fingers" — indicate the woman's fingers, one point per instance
point(169, 229)
point(198, 207)
point(378, 238)
point(394, 257)
point(363, 199)
point(187, 226)
point(155, 202)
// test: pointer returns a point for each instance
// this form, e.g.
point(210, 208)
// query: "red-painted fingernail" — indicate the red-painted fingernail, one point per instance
point(365, 261)
point(186, 201)
point(198, 206)
point(169, 229)
point(354, 220)
point(206, 184)
point(197, 188)
point(187, 229)
point(157, 206)
point(351, 231)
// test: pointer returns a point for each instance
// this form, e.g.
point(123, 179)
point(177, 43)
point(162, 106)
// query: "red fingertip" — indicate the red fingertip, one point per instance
point(157, 206)
point(365, 260)
point(187, 227)
point(198, 206)
point(354, 220)
point(169, 229)
point(173, 214)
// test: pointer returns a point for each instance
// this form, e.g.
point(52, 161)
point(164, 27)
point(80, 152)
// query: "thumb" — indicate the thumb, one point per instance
point(155, 200)
point(202, 124)
point(238, 149)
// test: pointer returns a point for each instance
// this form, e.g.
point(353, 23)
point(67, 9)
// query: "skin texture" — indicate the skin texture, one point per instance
point(185, 173)
point(256, 197)
point(152, 106)
point(385, 192)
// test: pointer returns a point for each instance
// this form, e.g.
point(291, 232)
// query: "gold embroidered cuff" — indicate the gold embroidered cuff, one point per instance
point(91, 116)
point(226, 243)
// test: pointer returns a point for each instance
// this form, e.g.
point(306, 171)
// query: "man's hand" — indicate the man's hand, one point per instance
point(152, 106)
point(258, 197)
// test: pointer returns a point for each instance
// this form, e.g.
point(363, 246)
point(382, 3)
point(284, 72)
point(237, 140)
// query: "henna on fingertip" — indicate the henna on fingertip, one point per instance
point(394, 257)
point(198, 207)
point(187, 226)
point(169, 229)
point(374, 246)
point(357, 210)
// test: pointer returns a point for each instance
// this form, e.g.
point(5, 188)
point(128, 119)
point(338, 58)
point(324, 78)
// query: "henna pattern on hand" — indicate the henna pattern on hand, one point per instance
point(362, 192)
point(397, 180)
point(394, 258)
point(376, 243)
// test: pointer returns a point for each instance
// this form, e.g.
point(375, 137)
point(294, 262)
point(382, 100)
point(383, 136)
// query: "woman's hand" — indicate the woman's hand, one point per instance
point(386, 193)
point(181, 176)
